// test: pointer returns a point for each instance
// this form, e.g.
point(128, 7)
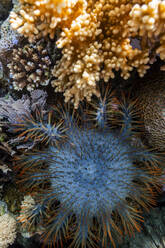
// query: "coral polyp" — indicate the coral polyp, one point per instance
point(91, 186)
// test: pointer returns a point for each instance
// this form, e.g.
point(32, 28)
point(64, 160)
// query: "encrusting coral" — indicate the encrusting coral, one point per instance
point(7, 230)
point(9, 39)
point(151, 95)
point(96, 37)
point(88, 181)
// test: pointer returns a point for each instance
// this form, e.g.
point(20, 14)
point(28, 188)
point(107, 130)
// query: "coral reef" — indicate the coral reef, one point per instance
point(81, 175)
point(89, 182)
point(96, 37)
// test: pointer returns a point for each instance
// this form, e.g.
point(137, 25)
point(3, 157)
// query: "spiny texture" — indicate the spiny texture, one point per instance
point(31, 65)
point(28, 204)
point(96, 37)
point(153, 234)
point(89, 182)
point(151, 96)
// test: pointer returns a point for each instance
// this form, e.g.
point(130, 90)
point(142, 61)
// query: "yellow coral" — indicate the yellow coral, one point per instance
point(96, 37)
point(39, 18)
point(148, 21)
point(77, 75)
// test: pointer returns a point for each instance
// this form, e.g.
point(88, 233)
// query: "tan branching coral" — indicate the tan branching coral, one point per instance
point(39, 18)
point(30, 66)
point(148, 21)
point(96, 37)
point(77, 75)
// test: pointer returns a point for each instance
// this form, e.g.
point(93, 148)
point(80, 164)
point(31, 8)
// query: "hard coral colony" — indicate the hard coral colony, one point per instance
point(96, 38)
point(90, 182)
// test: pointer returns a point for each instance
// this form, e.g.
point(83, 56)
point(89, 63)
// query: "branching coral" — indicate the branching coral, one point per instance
point(31, 65)
point(39, 18)
point(96, 37)
point(91, 183)
point(148, 21)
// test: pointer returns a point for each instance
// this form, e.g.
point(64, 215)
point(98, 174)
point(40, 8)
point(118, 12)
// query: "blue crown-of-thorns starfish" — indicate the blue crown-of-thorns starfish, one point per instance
point(91, 181)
